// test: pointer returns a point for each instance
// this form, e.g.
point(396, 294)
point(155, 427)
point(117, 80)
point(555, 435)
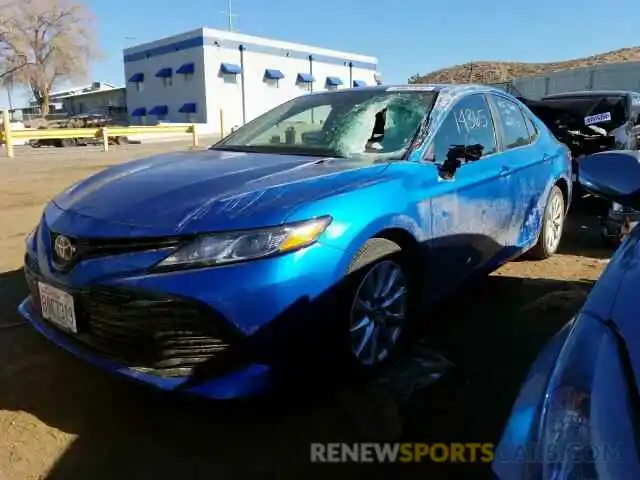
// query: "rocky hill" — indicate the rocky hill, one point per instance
point(492, 72)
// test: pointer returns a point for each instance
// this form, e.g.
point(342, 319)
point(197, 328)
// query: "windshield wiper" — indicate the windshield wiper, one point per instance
point(280, 150)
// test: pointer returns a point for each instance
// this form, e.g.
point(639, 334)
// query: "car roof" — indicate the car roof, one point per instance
point(422, 87)
point(590, 93)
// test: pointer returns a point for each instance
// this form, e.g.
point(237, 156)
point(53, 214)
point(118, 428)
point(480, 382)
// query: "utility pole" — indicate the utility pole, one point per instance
point(230, 16)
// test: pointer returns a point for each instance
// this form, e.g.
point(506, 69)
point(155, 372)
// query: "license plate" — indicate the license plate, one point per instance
point(57, 307)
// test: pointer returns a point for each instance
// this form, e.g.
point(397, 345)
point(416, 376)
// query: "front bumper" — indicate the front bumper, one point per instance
point(253, 379)
point(263, 312)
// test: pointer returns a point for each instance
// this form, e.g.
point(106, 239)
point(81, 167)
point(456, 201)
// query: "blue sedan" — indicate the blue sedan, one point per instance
point(577, 413)
point(302, 243)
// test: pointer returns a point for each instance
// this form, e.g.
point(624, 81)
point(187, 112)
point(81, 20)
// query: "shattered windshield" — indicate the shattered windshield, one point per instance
point(375, 124)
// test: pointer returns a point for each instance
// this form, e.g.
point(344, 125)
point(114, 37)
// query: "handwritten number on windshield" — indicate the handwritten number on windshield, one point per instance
point(468, 119)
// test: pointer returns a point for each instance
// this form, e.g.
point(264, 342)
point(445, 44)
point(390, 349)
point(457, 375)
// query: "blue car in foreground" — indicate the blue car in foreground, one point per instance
point(577, 413)
point(301, 243)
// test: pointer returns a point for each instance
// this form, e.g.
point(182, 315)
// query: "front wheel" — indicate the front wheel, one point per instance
point(552, 225)
point(376, 303)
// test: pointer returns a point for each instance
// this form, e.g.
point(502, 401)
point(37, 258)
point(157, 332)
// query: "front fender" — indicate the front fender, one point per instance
point(357, 239)
point(363, 213)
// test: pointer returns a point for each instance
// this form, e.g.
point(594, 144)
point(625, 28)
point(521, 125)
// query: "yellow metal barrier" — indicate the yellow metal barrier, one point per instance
point(9, 136)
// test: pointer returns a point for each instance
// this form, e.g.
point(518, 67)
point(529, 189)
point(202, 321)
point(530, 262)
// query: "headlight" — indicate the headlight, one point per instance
point(587, 426)
point(616, 207)
point(223, 248)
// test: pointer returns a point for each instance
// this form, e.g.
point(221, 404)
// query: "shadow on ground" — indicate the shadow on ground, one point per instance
point(127, 431)
point(581, 234)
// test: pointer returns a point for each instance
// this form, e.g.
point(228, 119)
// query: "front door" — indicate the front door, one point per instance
point(469, 210)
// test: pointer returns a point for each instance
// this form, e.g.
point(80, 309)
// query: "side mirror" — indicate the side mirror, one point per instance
point(457, 156)
point(614, 175)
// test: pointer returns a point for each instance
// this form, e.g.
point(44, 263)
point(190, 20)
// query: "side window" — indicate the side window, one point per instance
point(468, 124)
point(531, 128)
point(514, 129)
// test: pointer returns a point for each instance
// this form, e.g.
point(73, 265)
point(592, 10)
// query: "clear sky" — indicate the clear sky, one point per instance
point(407, 36)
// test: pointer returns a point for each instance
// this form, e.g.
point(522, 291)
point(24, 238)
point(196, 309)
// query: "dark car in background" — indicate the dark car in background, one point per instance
point(590, 122)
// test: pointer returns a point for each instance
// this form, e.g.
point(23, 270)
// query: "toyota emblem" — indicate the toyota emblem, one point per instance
point(64, 248)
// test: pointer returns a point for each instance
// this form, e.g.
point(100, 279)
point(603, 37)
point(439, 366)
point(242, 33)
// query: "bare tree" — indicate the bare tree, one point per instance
point(43, 42)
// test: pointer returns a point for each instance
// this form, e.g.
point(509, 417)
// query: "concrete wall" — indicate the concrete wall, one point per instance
point(614, 76)
point(214, 91)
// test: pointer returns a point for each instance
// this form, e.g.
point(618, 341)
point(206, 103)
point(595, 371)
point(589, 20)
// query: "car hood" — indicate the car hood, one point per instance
point(190, 192)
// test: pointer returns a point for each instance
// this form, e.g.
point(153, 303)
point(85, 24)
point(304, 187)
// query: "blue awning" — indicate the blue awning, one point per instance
point(188, 108)
point(359, 83)
point(334, 81)
point(273, 74)
point(164, 73)
point(136, 78)
point(186, 68)
point(159, 110)
point(305, 78)
point(139, 112)
point(230, 68)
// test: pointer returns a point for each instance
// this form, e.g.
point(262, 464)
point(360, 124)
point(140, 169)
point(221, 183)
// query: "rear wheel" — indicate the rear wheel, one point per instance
point(552, 225)
point(376, 303)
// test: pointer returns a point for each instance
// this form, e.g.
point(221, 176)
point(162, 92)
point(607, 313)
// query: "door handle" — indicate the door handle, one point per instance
point(504, 171)
point(546, 158)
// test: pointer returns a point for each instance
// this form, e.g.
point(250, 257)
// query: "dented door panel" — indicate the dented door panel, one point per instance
point(468, 214)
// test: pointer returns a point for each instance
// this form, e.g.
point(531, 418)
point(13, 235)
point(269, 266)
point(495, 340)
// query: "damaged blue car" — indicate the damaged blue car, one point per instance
point(301, 243)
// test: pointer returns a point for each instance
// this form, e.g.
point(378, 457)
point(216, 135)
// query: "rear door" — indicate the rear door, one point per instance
point(530, 166)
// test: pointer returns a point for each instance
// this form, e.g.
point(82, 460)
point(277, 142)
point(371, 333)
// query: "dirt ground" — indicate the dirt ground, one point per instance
point(63, 419)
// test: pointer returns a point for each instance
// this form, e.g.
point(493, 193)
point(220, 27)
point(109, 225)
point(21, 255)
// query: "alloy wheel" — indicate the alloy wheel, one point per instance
point(554, 223)
point(378, 312)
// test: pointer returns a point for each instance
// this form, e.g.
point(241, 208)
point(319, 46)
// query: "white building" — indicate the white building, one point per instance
point(109, 101)
point(205, 75)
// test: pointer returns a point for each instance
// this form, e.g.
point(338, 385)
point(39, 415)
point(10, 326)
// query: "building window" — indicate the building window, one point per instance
point(230, 79)
point(272, 77)
point(187, 70)
point(229, 72)
point(189, 111)
point(138, 80)
point(167, 82)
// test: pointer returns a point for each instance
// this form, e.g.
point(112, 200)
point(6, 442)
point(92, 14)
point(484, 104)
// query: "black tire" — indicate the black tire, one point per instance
point(68, 142)
point(542, 249)
point(374, 252)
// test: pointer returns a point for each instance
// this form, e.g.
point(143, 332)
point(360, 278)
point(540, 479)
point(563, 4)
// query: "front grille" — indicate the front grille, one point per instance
point(85, 248)
point(160, 335)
